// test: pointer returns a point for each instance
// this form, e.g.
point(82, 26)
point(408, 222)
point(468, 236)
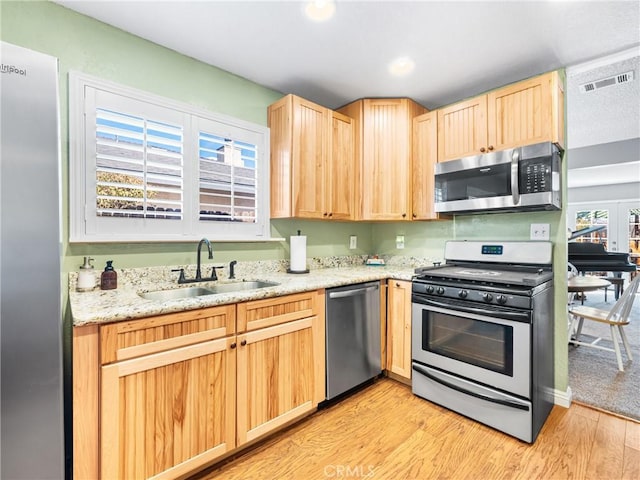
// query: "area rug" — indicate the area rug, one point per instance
point(594, 377)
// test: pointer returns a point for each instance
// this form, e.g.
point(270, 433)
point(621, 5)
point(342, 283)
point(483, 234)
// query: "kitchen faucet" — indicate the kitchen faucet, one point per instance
point(198, 272)
point(198, 277)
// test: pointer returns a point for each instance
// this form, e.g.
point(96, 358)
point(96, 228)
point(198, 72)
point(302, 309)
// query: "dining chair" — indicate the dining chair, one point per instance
point(572, 271)
point(617, 317)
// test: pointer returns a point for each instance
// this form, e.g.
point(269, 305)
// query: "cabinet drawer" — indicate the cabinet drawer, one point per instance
point(124, 340)
point(273, 311)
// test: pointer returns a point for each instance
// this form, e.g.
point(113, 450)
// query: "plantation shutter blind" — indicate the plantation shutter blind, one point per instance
point(139, 166)
point(227, 179)
point(139, 154)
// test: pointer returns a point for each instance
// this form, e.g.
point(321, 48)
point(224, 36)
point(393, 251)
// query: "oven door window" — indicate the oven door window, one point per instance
point(483, 182)
point(483, 344)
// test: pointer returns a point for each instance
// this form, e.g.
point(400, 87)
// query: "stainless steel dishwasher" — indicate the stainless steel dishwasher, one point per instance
point(353, 336)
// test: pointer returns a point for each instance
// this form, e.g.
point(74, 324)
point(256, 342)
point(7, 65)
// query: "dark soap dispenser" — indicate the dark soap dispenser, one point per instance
point(109, 278)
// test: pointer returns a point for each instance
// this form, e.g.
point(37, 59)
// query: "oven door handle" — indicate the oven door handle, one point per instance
point(508, 315)
point(499, 401)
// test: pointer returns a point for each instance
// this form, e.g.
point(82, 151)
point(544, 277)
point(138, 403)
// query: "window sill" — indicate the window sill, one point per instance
point(76, 241)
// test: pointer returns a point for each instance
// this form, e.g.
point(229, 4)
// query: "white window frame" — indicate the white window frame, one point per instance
point(85, 226)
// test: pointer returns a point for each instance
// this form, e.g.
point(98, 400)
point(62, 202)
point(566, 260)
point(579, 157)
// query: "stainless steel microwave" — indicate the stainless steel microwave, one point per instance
point(518, 179)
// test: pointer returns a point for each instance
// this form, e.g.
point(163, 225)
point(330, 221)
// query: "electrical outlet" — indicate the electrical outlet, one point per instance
point(539, 231)
point(399, 241)
point(353, 242)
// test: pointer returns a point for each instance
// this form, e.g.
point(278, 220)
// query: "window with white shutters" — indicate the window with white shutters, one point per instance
point(146, 168)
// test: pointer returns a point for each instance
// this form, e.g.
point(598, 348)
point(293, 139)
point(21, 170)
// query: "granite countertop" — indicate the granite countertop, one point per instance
point(125, 303)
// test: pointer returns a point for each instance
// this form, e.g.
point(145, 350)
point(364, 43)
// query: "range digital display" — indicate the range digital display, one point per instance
point(492, 249)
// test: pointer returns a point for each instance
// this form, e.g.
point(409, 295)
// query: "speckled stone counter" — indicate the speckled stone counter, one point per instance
point(125, 303)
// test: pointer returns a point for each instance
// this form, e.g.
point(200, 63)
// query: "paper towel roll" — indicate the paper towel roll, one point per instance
point(298, 253)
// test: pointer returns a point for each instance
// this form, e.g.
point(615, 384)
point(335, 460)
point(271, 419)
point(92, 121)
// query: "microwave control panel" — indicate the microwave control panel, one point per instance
point(535, 175)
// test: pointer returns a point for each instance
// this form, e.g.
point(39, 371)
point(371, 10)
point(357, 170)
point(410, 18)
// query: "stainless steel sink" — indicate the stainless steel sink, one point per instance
point(176, 294)
point(190, 292)
point(241, 286)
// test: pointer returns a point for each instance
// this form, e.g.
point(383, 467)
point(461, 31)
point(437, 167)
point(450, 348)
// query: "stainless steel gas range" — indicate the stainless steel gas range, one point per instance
point(482, 338)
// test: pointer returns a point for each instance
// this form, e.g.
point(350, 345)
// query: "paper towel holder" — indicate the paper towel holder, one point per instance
point(289, 270)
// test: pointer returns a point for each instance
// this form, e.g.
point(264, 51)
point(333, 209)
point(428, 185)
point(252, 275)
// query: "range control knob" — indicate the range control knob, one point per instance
point(487, 297)
point(463, 294)
point(440, 291)
point(430, 289)
point(501, 299)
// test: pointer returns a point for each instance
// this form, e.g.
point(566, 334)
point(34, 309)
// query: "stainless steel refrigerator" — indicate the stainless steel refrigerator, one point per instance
point(32, 423)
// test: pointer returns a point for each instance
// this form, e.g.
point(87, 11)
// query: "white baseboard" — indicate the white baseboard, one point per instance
point(562, 398)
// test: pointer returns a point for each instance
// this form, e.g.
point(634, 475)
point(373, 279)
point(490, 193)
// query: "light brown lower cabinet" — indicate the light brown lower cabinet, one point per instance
point(280, 362)
point(164, 415)
point(176, 392)
point(399, 330)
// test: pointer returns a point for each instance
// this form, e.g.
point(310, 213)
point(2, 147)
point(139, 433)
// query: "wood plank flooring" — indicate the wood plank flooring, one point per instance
point(385, 432)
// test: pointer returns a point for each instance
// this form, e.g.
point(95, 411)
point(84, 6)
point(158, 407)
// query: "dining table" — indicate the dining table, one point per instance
point(585, 283)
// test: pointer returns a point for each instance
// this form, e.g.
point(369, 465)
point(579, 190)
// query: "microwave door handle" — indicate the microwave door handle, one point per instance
point(515, 159)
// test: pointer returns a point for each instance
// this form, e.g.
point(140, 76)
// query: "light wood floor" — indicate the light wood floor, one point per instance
point(385, 432)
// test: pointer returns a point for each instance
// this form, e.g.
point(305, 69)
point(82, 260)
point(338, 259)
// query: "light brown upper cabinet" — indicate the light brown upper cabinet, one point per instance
point(527, 112)
point(312, 160)
point(425, 157)
point(383, 156)
point(340, 180)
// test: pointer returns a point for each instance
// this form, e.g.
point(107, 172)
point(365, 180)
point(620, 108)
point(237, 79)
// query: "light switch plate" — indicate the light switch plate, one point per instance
point(353, 242)
point(539, 231)
point(399, 241)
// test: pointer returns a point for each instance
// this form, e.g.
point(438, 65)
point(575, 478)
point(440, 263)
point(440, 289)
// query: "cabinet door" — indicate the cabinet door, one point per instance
point(165, 414)
point(386, 150)
point(399, 328)
point(310, 141)
point(276, 377)
point(521, 114)
point(340, 180)
point(280, 123)
point(462, 129)
point(425, 153)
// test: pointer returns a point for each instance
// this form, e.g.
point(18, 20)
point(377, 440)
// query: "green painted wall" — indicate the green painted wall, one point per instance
point(86, 45)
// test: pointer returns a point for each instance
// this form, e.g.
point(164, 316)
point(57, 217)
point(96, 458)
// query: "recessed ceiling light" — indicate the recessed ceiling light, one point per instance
point(320, 10)
point(402, 66)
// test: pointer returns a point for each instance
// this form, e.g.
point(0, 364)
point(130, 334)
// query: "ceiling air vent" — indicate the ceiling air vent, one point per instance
point(606, 82)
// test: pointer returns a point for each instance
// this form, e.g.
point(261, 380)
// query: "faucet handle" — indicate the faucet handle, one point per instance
point(214, 274)
point(181, 278)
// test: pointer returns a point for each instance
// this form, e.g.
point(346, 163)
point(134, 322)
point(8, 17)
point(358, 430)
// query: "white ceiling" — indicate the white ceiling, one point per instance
point(460, 48)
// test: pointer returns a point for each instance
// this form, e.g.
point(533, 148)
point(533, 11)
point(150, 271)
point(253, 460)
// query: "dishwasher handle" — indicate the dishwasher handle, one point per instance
point(353, 293)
